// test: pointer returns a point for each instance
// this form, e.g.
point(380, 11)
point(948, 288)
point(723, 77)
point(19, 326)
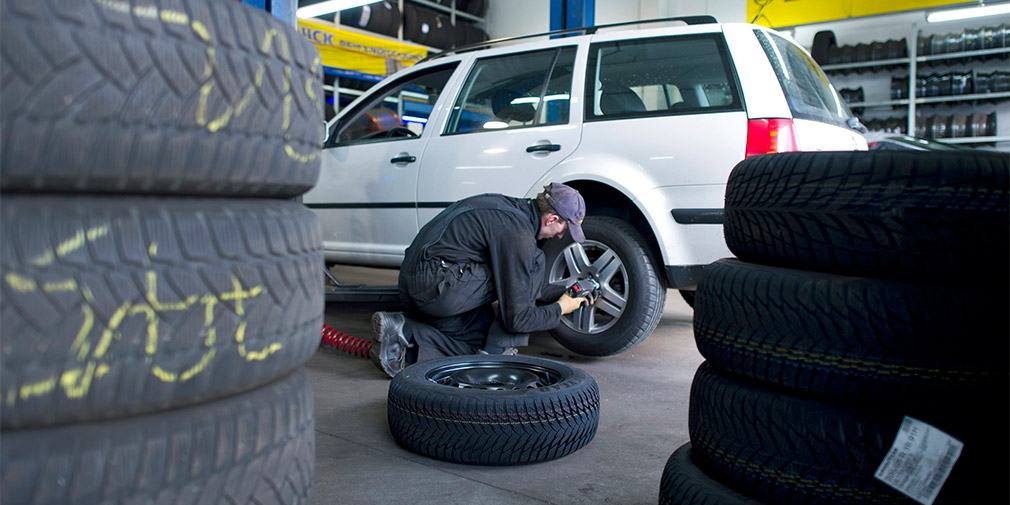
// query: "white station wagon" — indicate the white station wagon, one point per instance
point(646, 124)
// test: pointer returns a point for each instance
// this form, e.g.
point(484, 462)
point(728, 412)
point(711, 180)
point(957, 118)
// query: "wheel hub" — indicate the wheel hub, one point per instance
point(494, 376)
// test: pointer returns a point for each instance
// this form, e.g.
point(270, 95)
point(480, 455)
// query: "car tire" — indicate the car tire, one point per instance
point(493, 410)
point(119, 306)
point(200, 98)
point(781, 448)
point(894, 215)
point(854, 339)
point(257, 447)
point(633, 297)
point(683, 483)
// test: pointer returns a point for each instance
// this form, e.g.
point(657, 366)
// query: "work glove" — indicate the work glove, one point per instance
point(569, 304)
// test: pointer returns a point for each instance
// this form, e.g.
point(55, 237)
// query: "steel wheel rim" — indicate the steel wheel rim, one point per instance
point(494, 376)
point(593, 259)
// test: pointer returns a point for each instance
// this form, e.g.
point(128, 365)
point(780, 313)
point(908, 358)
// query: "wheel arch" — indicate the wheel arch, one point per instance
point(605, 200)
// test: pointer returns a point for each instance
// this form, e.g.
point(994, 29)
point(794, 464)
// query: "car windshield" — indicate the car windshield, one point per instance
point(807, 89)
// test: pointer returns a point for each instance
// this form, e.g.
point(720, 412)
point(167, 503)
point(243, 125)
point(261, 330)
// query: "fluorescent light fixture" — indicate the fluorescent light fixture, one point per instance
point(414, 119)
point(314, 10)
point(969, 12)
point(495, 125)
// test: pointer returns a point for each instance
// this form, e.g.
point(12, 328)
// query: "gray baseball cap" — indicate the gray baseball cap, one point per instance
point(569, 205)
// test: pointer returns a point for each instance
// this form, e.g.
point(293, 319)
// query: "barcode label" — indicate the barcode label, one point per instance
point(920, 460)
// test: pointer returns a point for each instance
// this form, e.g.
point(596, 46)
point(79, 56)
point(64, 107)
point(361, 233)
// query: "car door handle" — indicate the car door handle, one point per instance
point(543, 148)
point(406, 158)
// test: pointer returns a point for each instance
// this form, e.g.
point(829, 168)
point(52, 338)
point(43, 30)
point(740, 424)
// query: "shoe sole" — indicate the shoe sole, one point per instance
point(373, 353)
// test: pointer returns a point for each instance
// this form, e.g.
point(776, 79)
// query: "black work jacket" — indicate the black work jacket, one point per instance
point(499, 232)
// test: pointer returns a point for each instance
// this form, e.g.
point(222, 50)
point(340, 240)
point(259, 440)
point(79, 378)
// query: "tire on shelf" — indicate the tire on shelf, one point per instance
point(823, 42)
point(493, 410)
point(257, 447)
point(926, 217)
point(853, 339)
point(118, 306)
point(633, 295)
point(200, 98)
point(781, 448)
point(683, 483)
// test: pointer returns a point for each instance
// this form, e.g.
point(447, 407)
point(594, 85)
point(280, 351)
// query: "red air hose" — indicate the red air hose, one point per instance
point(351, 345)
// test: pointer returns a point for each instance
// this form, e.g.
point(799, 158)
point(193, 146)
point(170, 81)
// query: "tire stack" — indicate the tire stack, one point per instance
point(869, 287)
point(159, 288)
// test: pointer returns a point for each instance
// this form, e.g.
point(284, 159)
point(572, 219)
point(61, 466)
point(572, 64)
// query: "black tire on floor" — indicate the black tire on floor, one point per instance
point(119, 306)
point(925, 217)
point(182, 97)
point(683, 483)
point(493, 410)
point(258, 447)
point(633, 295)
point(781, 448)
point(854, 339)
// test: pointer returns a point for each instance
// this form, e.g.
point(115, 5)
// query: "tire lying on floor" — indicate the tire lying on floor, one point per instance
point(118, 306)
point(184, 97)
point(683, 483)
point(493, 410)
point(257, 447)
point(892, 215)
point(781, 448)
point(854, 339)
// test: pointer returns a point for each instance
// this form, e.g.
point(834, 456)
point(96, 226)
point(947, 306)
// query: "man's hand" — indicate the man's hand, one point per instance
point(569, 304)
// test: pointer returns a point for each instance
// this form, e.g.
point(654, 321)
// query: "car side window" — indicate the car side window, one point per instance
point(652, 77)
point(515, 91)
point(399, 110)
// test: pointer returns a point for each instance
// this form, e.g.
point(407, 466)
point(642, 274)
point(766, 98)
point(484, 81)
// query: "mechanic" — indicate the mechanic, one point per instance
point(478, 251)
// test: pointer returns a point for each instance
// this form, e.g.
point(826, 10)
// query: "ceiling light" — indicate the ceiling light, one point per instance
point(318, 9)
point(968, 13)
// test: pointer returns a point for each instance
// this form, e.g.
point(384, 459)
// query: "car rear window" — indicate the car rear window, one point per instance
point(661, 76)
point(808, 92)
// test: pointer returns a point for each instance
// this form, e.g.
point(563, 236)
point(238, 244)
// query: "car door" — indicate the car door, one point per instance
point(511, 122)
point(366, 194)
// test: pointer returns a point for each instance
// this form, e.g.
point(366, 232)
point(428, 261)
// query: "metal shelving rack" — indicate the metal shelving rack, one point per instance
point(912, 62)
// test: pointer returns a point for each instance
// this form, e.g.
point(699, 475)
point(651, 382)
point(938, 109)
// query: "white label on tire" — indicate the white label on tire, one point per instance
point(920, 460)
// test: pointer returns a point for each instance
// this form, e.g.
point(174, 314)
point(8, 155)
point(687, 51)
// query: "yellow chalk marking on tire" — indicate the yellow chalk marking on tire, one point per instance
point(208, 67)
point(37, 388)
point(122, 7)
point(201, 31)
point(60, 286)
point(149, 11)
point(253, 355)
point(19, 283)
point(301, 158)
point(80, 344)
point(268, 38)
point(174, 17)
point(286, 122)
point(77, 382)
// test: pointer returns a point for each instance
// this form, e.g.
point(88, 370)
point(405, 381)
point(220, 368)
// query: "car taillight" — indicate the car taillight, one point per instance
point(770, 136)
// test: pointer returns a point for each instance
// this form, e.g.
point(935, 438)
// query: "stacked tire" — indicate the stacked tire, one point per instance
point(870, 290)
point(160, 287)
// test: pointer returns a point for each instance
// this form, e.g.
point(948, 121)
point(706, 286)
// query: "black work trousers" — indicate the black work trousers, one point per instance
point(450, 310)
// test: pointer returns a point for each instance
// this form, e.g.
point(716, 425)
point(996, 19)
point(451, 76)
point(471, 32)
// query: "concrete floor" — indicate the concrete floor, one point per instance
point(643, 419)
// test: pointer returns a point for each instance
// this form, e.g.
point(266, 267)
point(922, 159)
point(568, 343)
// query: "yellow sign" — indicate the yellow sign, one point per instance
point(778, 13)
point(354, 52)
